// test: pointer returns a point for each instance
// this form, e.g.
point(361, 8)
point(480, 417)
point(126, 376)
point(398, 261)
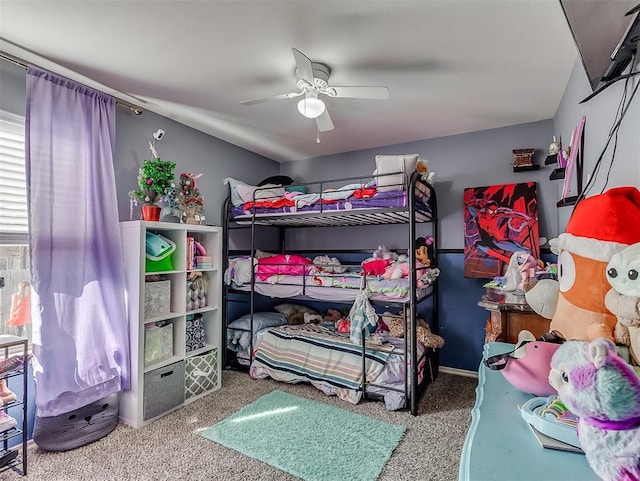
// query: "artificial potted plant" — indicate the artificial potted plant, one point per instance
point(155, 178)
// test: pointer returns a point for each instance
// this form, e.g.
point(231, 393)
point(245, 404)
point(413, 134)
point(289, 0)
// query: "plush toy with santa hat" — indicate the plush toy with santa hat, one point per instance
point(600, 226)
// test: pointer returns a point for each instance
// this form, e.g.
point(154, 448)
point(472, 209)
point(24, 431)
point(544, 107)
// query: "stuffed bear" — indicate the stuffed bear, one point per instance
point(423, 332)
point(599, 227)
point(623, 299)
point(604, 392)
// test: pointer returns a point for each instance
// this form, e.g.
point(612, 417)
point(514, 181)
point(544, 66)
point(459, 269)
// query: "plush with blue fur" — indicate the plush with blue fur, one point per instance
point(604, 392)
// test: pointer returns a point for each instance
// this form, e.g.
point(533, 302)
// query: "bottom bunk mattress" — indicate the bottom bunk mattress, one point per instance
point(329, 361)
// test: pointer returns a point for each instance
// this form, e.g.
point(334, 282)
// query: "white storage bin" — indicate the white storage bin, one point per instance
point(157, 298)
point(158, 343)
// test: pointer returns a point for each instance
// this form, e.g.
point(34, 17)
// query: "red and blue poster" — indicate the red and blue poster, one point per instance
point(498, 221)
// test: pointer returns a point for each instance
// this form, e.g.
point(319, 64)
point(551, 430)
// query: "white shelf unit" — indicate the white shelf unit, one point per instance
point(161, 387)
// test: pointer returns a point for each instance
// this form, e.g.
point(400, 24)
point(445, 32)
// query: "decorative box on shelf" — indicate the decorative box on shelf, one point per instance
point(204, 262)
point(196, 336)
point(158, 343)
point(201, 373)
point(157, 298)
point(197, 292)
point(523, 160)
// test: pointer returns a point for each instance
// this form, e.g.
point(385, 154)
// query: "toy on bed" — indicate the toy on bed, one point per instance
point(604, 392)
point(298, 314)
point(425, 260)
point(425, 251)
point(422, 166)
point(395, 323)
point(623, 299)
point(380, 259)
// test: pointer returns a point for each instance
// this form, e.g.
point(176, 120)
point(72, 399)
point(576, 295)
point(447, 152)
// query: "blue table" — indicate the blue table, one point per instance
point(500, 445)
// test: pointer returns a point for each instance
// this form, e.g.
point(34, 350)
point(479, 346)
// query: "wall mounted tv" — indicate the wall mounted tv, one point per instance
point(606, 33)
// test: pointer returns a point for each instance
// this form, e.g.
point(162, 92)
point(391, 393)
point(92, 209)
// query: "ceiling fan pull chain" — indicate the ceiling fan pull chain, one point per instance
point(317, 136)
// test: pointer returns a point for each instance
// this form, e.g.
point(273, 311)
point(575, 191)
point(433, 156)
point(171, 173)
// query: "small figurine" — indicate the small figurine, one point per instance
point(554, 147)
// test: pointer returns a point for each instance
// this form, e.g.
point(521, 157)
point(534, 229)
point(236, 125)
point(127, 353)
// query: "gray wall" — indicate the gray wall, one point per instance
point(191, 150)
point(600, 112)
point(460, 161)
point(13, 88)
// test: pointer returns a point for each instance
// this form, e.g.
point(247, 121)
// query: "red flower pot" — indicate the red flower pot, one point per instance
point(151, 212)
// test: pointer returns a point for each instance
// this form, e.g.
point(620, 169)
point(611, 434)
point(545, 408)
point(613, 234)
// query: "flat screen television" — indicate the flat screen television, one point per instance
point(606, 33)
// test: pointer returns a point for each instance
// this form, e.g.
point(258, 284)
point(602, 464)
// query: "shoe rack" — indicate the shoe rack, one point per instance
point(13, 353)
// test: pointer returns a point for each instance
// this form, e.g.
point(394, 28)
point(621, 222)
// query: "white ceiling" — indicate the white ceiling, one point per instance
point(452, 66)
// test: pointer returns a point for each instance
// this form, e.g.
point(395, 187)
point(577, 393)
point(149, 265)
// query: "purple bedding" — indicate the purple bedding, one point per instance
point(396, 198)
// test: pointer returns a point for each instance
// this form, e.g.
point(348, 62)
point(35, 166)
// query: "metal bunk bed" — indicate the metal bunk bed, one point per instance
point(420, 206)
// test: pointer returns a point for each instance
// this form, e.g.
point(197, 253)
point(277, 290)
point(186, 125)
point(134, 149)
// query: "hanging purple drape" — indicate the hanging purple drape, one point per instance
point(80, 333)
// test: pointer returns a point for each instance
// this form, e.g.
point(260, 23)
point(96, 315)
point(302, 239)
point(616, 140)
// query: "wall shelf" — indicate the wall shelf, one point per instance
point(557, 174)
point(551, 159)
point(523, 168)
point(567, 201)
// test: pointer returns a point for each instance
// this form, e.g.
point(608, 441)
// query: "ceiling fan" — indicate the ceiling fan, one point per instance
point(313, 81)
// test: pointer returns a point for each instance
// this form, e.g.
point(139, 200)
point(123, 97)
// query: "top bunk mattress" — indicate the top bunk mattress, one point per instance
point(347, 204)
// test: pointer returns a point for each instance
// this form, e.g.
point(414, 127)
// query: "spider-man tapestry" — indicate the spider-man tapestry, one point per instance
point(498, 221)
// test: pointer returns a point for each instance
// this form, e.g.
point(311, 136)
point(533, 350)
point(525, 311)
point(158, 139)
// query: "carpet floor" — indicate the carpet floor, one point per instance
point(172, 448)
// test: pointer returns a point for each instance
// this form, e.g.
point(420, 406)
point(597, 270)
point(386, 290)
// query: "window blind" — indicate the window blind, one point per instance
point(13, 185)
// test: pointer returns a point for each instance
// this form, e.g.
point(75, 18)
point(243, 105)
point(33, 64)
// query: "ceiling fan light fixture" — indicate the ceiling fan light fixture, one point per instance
point(311, 107)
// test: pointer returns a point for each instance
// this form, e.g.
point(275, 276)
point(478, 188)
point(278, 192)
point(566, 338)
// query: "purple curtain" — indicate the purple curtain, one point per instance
point(80, 331)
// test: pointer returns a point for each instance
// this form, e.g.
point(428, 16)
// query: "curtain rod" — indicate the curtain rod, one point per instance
point(122, 103)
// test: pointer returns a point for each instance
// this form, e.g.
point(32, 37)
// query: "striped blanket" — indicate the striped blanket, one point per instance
point(316, 353)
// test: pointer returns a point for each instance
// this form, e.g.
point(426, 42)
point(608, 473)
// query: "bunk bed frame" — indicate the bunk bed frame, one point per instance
point(413, 212)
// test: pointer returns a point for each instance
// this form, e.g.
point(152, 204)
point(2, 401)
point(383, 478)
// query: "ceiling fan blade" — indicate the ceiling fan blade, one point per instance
point(305, 69)
point(381, 93)
point(269, 99)
point(324, 122)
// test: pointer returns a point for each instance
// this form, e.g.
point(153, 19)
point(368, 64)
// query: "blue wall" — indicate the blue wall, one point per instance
point(462, 322)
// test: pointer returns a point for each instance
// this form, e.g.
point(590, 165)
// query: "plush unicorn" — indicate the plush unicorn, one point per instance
point(604, 392)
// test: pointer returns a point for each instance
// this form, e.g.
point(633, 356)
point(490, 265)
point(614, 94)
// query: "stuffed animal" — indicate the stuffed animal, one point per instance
point(623, 299)
point(519, 271)
point(333, 316)
point(375, 267)
point(423, 332)
point(422, 166)
point(425, 251)
point(604, 392)
point(383, 253)
point(599, 227)
point(402, 269)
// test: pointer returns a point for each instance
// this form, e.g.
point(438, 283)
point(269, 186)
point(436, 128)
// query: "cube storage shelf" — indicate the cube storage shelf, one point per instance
point(167, 380)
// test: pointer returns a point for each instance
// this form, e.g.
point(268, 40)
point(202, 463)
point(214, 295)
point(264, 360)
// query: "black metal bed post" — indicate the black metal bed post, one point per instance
point(413, 285)
point(225, 265)
point(252, 259)
point(436, 292)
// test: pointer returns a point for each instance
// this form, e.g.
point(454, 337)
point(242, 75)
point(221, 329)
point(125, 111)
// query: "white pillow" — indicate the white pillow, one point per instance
point(270, 192)
point(236, 200)
point(265, 192)
point(392, 164)
point(245, 192)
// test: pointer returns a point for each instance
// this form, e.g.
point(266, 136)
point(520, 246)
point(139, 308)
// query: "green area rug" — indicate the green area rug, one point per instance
point(309, 439)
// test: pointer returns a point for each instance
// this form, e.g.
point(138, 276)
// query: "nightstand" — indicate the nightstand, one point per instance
point(510, 314)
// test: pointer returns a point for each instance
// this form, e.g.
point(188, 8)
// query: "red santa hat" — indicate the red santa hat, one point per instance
point(603, 224)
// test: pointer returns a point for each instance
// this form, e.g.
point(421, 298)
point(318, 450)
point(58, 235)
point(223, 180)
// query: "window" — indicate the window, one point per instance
point(15, 312)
